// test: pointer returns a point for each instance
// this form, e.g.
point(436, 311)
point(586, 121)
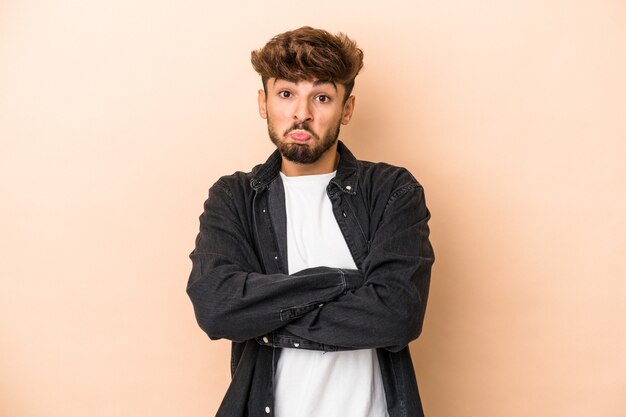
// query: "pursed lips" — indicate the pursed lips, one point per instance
point(300, 135)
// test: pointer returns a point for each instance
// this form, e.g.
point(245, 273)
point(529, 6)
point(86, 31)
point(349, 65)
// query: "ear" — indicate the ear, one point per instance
point(348, 109)
point(262, 104)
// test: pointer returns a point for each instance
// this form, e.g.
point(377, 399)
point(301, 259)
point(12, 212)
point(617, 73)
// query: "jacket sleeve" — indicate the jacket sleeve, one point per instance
point(231, 297)
point(387, 311)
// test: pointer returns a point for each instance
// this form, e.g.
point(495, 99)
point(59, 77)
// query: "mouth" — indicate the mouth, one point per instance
point(300, 135)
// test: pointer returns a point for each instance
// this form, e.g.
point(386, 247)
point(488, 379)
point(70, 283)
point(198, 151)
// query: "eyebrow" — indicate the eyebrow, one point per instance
point(322, 82)
point(316, 83)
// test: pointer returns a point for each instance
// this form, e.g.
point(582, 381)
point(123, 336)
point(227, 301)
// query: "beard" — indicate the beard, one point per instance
point(304, 153)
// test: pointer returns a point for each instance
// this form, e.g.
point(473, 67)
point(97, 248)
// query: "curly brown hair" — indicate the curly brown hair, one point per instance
point(309, 54)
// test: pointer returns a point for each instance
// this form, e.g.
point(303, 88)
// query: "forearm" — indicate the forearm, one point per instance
point(237, 305)
point(368, 317)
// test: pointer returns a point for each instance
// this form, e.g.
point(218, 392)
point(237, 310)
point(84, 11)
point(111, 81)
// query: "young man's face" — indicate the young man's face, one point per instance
point(303, 117)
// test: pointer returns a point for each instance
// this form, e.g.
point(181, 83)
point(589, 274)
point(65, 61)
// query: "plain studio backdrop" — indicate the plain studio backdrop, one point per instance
point(117, 116)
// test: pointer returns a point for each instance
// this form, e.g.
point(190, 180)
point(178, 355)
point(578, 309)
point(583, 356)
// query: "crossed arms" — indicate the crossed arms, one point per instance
point(380, 305)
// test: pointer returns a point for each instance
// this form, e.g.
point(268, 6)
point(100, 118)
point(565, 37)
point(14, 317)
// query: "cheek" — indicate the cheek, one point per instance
point(332, 120)
point(278, 109)
point(278, 117)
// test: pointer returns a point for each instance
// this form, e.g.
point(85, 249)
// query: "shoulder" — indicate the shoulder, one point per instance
point(381, 176)
point(230, 195)
point(392, 191)
point(235, 184)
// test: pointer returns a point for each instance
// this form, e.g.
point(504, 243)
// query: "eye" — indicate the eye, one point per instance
point(284, 94)
point(323, 98)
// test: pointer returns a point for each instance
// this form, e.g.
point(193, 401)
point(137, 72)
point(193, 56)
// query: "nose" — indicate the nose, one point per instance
point(302, 111)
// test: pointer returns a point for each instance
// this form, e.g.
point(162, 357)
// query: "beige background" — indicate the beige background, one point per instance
point(116, 116)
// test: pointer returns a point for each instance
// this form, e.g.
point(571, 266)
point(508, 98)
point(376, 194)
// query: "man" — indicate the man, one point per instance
point(315, 264)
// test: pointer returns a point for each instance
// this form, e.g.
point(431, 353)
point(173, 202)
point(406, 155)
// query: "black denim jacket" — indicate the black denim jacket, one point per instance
point(240, 289)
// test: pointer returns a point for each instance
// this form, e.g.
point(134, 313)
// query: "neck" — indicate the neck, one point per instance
point(327, 163)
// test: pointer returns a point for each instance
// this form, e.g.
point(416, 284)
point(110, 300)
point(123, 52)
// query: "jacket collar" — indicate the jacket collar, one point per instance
point(346, 179)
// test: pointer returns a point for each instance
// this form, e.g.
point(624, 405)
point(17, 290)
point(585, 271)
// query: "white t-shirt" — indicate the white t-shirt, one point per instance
point(313, 383)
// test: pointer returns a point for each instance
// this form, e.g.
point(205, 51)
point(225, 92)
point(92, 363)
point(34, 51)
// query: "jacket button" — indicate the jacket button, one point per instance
point(265, 339)
point(267, 410)
point(348, 187)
